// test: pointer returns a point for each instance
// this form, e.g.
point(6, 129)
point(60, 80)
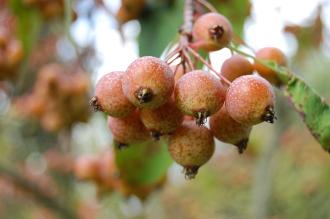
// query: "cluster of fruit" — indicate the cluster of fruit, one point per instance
point(11, 50)
point(130, 10)
point(102, 170)
point(59, 98)
point(213, 31)
point(149, 99)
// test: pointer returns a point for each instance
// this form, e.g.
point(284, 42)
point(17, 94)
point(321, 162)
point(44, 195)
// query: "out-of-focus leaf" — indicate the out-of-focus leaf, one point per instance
point(314, 111)
point(29, 24)
point(159, 26)
point(308, 37)
point(145, 163)
point(235, 10)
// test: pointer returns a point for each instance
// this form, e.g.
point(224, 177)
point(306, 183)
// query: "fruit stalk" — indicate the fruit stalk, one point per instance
point(188, 20)
point(67, 24)
point(207, 5)
point(200, 58)
point(283, 74)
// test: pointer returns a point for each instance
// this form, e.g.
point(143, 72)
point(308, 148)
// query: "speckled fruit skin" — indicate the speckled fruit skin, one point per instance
point(110, 96)
point(199, 91)
point(235, 67)
point(191, 145)
point(164, 119)
point(248, 98)
point(227, 130)
point(270, 54)
point(149, 73)
point(129, 129)
point(202, 27)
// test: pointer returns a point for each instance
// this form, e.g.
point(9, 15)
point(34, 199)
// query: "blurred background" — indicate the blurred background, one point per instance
point(53, 52)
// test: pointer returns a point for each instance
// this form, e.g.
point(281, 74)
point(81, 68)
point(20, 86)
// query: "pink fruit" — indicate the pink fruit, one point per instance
point(191, 146)
point(250, 100)
point(212, 31)
point(199, 94)
point(235, 67)
point(109, 96)
point(270, 54)
point(149, 82)
point(162, 120)
point(128, 130)
point(227, 130)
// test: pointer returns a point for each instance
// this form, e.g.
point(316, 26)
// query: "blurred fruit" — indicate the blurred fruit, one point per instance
point(129, 10)
point(107, 171)
point(59, 161)
point(11, 50)
point(14, 53)
point(49, 9)
point(273, 55)
point(59, 98)
point(235, 67)
point(86, 168)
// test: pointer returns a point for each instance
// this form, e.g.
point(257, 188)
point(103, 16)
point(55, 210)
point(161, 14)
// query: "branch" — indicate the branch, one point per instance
point(42, 198)
point(67, 25)
point(266, 164)
point(186, 31)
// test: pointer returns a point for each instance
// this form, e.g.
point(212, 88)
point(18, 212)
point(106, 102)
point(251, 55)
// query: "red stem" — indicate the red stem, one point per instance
point(194, 53)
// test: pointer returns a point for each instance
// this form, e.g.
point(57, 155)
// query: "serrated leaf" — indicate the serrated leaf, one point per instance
point(145, 163)
point(312, 108)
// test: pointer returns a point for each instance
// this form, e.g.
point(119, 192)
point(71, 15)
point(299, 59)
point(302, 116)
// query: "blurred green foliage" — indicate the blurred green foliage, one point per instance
point(145, 163)
point(225, 187)
point(159, 27)
point(29, 24)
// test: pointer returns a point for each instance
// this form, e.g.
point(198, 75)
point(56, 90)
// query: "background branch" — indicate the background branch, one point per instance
point(39, 196)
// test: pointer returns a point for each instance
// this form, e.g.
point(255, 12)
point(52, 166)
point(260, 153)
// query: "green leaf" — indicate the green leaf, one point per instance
point(235, 10)
point(159, 27)
point(312, 108)
point(29, 24)
point(145, 163)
